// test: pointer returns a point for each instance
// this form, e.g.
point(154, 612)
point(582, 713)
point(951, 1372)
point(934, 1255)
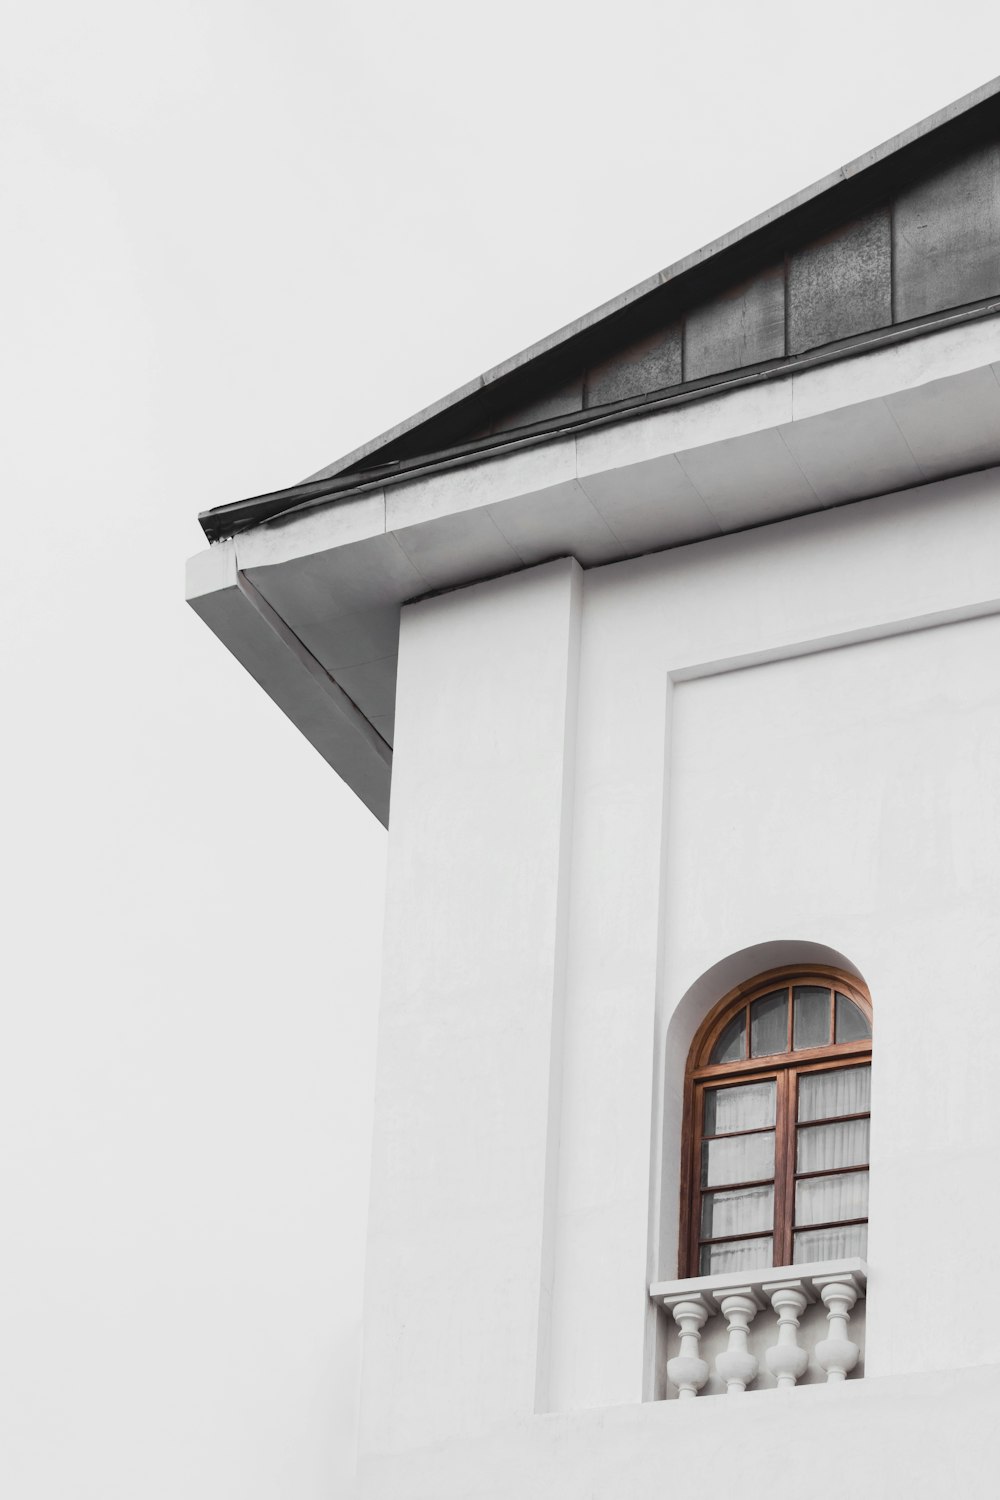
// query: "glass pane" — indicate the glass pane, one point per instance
point(812, 1016)
point(823, 1200)
point(769, 1024)
point(743, 1212)
point(852, 1023)
point(738, 1158)
point(747, 1106)
point(729, 1047)
point(736, 1255)
point(840, 1091)
point(828, 1244)
point(823, 1147)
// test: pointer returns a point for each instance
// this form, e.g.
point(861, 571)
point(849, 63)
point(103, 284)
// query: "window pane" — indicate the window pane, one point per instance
point(736, 1255)
point(729, 1046)
point(852, 1023)
point(829, 1244)
point(823, 1147)
point(769, 1024)
point(842, 1091)
point(823, 1200)
point(738, 1158)
point(747, 1106)
point(812, 1016)
point(743, 1212)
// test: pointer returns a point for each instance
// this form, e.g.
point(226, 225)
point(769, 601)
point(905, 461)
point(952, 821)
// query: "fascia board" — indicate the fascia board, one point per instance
point(496, 478)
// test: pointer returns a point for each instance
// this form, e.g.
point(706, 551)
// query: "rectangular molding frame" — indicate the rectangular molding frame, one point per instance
point(658, 1253)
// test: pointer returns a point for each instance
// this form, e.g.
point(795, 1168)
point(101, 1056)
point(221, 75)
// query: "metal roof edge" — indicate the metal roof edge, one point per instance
point(224, 521)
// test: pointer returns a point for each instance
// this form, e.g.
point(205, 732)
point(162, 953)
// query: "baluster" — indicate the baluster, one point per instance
point(737, 1366)
point(786, 1359)
point(837, 1354)
point(687, 1370)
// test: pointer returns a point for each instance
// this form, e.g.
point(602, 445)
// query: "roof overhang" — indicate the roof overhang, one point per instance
point(309, 601)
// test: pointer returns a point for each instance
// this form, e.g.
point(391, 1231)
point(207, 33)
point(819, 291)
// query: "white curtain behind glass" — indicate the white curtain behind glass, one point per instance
point(824, 1200)
point(830, 1244)
point(845, 1091)
point(823, 1147)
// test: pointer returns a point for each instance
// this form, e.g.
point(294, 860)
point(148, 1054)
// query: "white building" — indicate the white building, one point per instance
point(679, 635)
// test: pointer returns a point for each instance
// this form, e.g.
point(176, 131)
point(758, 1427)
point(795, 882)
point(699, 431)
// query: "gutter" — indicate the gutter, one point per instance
point(243, 515)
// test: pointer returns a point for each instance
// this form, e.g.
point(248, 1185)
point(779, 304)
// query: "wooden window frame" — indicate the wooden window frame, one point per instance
point(786, 1068)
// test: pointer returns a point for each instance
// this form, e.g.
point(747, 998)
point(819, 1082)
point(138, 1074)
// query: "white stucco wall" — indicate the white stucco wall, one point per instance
point(763, 743)
point(459, 1237)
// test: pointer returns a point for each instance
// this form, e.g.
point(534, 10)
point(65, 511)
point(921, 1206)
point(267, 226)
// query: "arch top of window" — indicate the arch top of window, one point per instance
point(785, 1016)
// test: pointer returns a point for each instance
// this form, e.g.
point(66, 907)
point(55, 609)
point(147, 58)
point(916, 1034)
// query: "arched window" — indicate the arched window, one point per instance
point(776, 1125)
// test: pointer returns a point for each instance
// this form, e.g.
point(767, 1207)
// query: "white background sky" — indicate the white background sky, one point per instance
point(239, 239)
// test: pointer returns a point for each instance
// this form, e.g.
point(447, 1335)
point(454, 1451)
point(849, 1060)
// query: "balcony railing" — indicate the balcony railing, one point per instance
point(775, 1328)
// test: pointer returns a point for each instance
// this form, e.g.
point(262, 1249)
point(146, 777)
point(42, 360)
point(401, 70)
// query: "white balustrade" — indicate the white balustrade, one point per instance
point(837, 1354)
point(787, 1360)
point(736, 1365)
point(687, 1370)
point(769, 1329)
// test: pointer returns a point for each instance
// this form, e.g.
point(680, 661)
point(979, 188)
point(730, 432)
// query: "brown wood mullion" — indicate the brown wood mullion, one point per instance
point(784, 1170)
point(862, 1114)
point(861, 1166)
point(827, 1224)
point(824, 1058)
point(753, 1234)
point(729, 1187)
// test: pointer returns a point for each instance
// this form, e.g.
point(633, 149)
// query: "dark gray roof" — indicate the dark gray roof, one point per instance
point(906, 231)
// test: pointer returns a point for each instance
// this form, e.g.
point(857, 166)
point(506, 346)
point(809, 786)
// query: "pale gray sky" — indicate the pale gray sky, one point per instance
point(240, 239)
